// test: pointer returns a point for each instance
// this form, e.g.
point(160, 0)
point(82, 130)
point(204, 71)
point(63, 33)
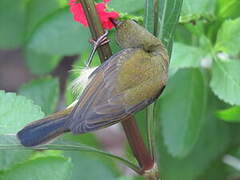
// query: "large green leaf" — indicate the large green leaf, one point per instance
point(16, 112)
point(127, 6)
point(194, 9)
point(225, 81)
point(228, 37)
point(214, 139)
point(89, 167)
point(47, 168)
point(182, 110)
point(38, 10)
point(160, 21)
point(217, 170)
point(59, 35)
point(44, 92)
point(12, 23)
point(228, 8)
point(184, 56)
point(10, 158)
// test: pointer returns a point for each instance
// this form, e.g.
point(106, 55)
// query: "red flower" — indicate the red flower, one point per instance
point(105, 16)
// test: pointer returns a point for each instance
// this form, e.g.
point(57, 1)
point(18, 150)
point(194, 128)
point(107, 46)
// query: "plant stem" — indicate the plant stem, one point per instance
point(95, 27)
point(129, 125)
point(152, 25)
point(136, 143)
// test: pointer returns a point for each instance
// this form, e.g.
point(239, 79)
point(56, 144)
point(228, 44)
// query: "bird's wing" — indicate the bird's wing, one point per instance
point(99, 105)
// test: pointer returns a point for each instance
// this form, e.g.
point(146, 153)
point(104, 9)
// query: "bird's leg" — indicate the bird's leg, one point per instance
point(99, 42)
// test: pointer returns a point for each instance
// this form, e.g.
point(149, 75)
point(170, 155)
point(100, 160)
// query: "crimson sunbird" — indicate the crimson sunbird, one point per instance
point(126, 83)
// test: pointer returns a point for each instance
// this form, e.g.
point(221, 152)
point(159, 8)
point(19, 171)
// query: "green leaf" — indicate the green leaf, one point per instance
point(131, 178)
point(88, 139)
point(47, 168)
point(184, 56)
point(169, 12)
point(126, 6)
point(194, 9)
point(39, 63)
point(59, 35)
point(43, 91)
point(12, 143)
point(225, 81)
point(40, 9)
point(228, 8)
point(182, 112)
point(16, 112)
point(217, 170)
point(10, 158)
point(228, 37)
point(12, 20)
point(230, 115)
point(87, 166)
point(162, 23)
point(214, 139)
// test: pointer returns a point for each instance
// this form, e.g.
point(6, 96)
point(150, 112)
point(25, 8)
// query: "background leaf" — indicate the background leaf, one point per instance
point(225, 81)
point(228, 37)
point(10, 158)
point(39, 10)
point(87, 166)
point(194, 9)
point(39, 63)
point(43, 91)
point(12, 34)
point(184, 56)
point(16, 112)
point(213, 140)
point(59, 35)
point(48, 168)
point(228, 8)
point(128, 6)
point(181, 117)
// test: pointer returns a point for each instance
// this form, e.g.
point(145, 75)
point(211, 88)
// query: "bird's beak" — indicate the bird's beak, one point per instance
point(116, 22)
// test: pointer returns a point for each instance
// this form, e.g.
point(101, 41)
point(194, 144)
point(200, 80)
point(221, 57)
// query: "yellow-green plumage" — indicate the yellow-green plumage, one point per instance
point(126, 83)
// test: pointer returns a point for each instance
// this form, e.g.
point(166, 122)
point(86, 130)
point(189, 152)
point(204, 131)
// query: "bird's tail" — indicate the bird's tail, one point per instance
point(44, 130)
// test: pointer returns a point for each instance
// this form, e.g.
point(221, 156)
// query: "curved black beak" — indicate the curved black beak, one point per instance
point(116, 22)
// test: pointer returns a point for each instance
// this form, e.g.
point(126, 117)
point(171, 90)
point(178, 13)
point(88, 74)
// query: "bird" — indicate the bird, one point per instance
point(126, 83)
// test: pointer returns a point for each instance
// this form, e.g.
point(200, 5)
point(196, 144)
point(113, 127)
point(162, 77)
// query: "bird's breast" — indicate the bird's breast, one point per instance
point(140, 77)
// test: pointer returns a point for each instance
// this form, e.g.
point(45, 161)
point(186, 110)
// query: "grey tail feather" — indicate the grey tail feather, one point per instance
point(42, 131)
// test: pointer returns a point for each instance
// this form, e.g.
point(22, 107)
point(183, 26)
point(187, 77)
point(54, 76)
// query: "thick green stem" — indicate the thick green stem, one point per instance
point(152, 25)
point(129, 125)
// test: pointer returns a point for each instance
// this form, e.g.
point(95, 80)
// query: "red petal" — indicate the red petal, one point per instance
point(105, 16)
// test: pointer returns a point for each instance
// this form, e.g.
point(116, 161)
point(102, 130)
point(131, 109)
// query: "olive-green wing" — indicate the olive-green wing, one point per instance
point(99, 105)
